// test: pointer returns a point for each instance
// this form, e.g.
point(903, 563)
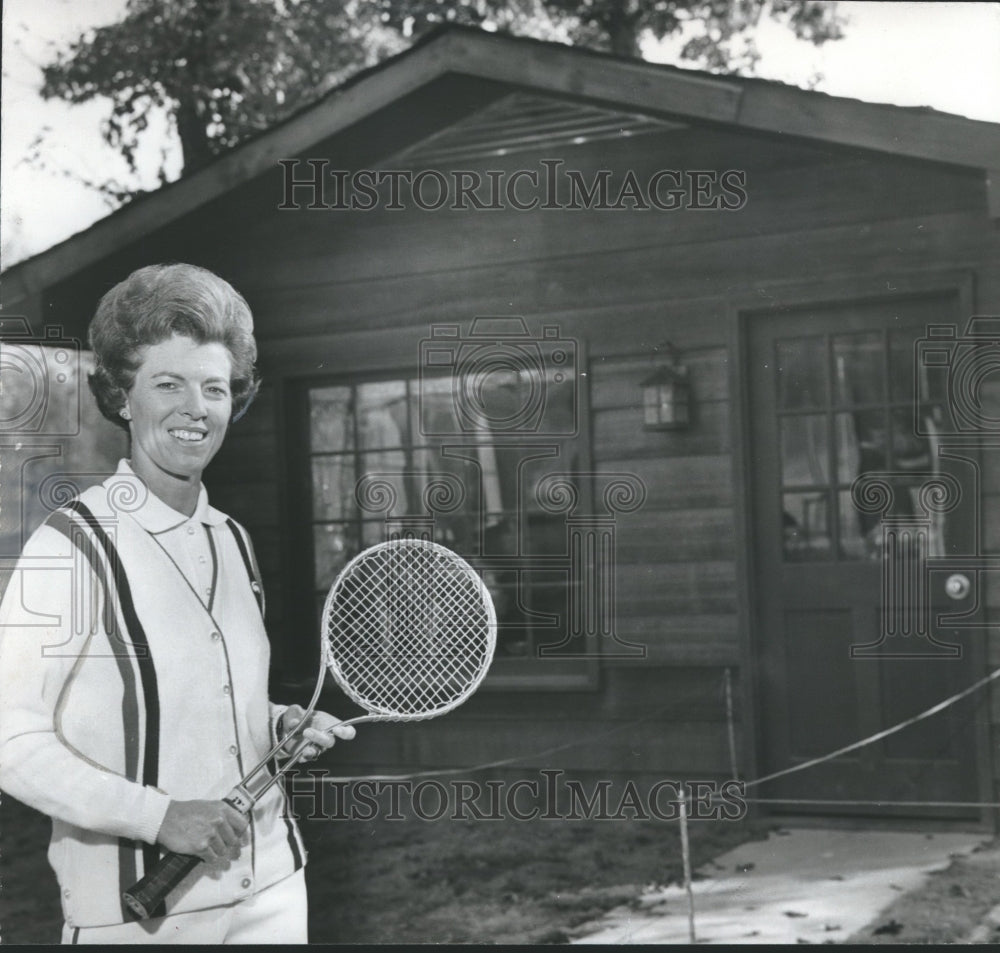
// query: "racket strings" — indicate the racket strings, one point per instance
point(409, 630)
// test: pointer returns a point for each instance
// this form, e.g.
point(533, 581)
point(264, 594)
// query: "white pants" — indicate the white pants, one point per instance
point(277, 914)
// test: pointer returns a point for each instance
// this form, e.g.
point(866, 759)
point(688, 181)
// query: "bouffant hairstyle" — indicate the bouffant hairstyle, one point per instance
point(151, 305)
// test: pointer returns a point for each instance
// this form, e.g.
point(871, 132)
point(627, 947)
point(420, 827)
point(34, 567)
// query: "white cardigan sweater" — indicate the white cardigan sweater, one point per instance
point(121, 689)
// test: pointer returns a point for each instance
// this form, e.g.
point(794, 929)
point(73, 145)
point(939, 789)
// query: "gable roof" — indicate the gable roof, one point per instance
point(666, 94)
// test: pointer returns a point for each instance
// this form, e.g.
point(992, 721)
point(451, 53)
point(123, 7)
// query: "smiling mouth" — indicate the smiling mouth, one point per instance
point(189, 436)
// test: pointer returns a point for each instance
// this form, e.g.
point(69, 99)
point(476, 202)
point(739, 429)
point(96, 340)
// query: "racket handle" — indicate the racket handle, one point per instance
point(145, 896)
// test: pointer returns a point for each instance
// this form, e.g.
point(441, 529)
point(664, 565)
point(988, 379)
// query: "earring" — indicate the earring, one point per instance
point(125, 415)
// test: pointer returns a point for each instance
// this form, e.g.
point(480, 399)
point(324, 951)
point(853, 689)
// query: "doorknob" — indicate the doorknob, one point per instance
point(957, 585)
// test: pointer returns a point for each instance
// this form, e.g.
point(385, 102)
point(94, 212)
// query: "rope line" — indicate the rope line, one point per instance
point(878, 736)
point(792, 800)
point(854, 746)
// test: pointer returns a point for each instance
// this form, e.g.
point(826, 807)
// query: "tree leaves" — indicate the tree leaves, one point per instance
point(227, 70)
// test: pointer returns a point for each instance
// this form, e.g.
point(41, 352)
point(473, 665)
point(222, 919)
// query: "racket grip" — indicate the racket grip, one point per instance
point(145, 896)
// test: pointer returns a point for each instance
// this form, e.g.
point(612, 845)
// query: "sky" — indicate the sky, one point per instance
point(943, 55)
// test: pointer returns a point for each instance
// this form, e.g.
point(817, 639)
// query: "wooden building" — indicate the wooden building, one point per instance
point(470, 350)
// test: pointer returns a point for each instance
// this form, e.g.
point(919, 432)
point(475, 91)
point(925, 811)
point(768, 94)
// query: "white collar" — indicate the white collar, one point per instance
point(127, 491)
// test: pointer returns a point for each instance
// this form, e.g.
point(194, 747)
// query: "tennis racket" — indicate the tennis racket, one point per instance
point(408, 632)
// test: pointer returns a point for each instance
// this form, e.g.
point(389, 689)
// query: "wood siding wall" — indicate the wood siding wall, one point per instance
point(337, 292)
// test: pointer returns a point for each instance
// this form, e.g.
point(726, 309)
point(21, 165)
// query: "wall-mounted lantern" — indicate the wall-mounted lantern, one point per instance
point(666, 393)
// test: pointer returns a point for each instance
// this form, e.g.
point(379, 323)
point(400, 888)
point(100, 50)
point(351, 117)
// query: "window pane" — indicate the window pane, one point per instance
point(806, 520)
point(509, 388)
point(384, 488)
point(804, 457)
point(501, 535)
point(333, 487)
point(863, 446)
point(801, 373)
point(382, 415)
point(376, 531)
point(460, 531)
point(333, 545)
point(902, 363)
point(559, 415)
point(331, 426)
point(513, 630)
point(861, 443)
point(547, 481)
point(449, 484)
point(503, 467)
point(523, 394)
point(502, 398)
point(518, 388)
point(910, 450)
point(393, 477)
point(846, 441)
point(437, 407)
point(860, 532)
point(858, 369)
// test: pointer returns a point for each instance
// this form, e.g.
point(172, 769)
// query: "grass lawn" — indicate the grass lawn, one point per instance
point(950, 907)
point(443, 881)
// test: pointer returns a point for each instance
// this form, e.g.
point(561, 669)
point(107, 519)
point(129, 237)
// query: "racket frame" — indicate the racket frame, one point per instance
point(145, 895)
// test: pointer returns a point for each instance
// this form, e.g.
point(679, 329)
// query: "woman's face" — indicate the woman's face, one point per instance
point(180, 405)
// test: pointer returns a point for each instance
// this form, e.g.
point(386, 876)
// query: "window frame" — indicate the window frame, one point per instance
point(532, 672)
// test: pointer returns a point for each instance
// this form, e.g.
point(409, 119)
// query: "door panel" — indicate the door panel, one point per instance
point(856, 509)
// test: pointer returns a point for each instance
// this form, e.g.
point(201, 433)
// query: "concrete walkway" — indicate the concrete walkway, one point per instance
point(805, 885)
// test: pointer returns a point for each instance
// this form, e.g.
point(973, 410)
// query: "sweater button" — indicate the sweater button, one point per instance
point(246, 883)
point(226, 690)
point(232, 749)
point(190, 531)
point(216, 636)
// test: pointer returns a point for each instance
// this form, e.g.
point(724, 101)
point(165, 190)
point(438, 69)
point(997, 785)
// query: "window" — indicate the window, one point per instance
point(850, 404)
point(403, 455)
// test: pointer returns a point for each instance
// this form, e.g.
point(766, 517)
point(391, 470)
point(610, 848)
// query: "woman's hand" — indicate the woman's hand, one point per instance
point(321, 732)
point(211, 830)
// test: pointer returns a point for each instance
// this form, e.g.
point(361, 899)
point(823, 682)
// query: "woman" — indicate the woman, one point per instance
point(133, 656)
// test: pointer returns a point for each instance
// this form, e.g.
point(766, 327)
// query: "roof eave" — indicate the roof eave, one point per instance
point(644, 87)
